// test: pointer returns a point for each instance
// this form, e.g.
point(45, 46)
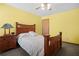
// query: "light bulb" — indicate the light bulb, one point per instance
point(48, 6)
point(42, 6)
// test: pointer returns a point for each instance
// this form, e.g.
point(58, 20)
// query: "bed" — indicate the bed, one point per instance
point(51, 44)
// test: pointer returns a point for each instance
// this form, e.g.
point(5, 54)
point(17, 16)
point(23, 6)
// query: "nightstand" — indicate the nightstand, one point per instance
point(7, 42)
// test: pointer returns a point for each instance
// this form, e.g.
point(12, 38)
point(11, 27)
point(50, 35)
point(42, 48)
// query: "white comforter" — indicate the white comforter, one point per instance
point(32, 43)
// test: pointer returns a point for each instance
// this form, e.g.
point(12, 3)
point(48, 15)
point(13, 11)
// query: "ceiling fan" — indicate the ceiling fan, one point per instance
point(44, 6)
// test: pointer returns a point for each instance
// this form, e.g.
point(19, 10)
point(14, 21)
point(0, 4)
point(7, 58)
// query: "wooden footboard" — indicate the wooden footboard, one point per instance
point(52, 44)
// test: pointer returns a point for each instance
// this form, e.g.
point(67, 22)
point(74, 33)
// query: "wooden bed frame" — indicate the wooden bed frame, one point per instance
point(22, 28)
point(51, 44)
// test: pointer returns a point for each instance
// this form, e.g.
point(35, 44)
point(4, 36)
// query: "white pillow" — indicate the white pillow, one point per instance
point(22, 34)
point(32, 33)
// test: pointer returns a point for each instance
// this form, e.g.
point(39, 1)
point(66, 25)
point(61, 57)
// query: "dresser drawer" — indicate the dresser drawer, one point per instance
point(7, 42)
point(12, 43)
point(3, 45)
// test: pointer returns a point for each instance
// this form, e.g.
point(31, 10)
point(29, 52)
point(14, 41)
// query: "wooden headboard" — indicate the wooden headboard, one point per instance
point(22, 28)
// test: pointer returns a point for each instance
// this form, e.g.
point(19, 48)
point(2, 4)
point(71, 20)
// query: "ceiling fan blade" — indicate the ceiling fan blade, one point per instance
point(37, 7)
point(50, 9)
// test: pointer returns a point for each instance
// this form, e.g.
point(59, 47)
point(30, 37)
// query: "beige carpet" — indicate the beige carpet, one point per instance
point(15, 52)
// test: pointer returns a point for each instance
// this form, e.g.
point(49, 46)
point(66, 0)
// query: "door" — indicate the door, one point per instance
point(45, 26)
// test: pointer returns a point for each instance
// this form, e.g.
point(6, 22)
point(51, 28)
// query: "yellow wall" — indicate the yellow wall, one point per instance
point(8, 14)
point(66, 22)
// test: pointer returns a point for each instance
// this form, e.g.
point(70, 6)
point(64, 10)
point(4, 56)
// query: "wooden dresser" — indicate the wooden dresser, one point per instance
point(7, 42)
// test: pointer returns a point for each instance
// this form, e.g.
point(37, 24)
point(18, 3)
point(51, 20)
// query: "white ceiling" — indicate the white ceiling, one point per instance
point(56, 7)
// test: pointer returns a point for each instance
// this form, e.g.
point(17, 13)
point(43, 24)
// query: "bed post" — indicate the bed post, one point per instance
point(46, 45)
point(60, 39)
point(34, 27)
point(16, 27)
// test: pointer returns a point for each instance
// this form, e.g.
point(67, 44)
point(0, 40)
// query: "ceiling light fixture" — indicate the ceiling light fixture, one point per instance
point(45, 6)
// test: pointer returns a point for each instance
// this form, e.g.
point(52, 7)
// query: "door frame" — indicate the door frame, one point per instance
point(47, 19)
